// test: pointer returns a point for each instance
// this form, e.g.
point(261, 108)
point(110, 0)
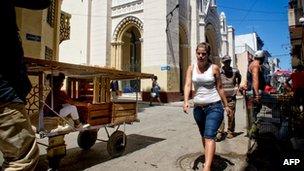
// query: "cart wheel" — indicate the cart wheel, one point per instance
point(117, 144)
point(86, 139)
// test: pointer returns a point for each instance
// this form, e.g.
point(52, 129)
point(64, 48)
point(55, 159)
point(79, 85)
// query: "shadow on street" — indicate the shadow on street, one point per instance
point(219, 163)
point(77, 159)
point(268, 153)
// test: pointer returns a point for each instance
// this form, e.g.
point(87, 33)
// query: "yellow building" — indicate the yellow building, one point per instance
point(42, 31)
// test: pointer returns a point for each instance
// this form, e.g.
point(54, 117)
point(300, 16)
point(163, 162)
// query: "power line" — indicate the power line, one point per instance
point(260, 20)
point(248, 11)
point(263, 12)
point(277, 55)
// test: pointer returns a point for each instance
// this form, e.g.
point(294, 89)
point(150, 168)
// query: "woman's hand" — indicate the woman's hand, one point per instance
point(228, 110)
point(186, 107)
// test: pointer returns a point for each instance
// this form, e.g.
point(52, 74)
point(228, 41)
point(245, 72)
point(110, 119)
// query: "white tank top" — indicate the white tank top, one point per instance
point(204, 85)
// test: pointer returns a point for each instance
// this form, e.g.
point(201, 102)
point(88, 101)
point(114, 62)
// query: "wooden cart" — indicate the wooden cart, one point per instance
point(90, 87)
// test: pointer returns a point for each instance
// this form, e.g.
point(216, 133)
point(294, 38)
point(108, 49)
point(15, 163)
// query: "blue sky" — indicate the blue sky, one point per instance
point(269, 18)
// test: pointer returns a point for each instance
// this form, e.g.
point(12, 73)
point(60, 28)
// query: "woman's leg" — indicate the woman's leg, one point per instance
point(158, 99)
point(209, 153)
point(151, 101)
point(214, 118)
point(203, 140)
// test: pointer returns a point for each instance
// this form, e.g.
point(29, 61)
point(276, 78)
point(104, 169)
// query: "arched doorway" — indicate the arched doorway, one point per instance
point(211, 38)
point(184, 56)
point(127, 50)
point(131, 55)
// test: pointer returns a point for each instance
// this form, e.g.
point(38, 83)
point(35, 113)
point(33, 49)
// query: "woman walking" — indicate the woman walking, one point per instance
point(209, 100)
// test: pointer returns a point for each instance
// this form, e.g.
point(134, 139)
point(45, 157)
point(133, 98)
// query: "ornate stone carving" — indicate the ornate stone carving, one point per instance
point(64, 26)
point(127, 8)
point(126, 21)
point(51, 14)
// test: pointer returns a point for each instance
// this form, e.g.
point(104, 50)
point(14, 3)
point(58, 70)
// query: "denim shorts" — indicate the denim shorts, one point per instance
point(209, 118)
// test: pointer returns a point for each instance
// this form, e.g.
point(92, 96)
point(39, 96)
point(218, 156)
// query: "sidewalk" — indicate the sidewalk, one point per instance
point(235, 149)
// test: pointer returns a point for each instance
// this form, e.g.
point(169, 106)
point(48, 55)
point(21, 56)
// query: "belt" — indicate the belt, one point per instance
point(207, 105)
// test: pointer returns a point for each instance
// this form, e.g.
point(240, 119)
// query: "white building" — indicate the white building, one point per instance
point(274, 64)
point(158, 37)
point(245, 47)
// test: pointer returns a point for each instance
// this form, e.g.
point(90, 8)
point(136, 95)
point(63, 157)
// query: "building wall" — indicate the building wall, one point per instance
point(155, 42)
point(172, 34)
point(75, 49)
point(37, 34)
point(35, 37)
point(161, 50)
point(231, 46)
point(26, 21)
point(242, 65)
point(100, 35)
point(194, 31)
point(249, 39)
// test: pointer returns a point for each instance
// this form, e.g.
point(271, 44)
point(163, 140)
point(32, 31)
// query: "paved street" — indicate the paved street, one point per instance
point(164, 139)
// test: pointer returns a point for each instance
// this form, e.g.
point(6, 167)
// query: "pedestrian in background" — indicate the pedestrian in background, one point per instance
point(155, 90)
point(208, 100)
point(255, 85)
point(114, 89)
point(17, 138)
point(231, 79)
point(297, 85)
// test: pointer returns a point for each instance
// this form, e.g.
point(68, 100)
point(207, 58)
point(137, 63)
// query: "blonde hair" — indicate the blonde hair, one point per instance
point(204, 45)
point(207, 47)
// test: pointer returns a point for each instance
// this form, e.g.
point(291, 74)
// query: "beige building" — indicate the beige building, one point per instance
point(42, 31)
point(158, 37)
point(245, 47)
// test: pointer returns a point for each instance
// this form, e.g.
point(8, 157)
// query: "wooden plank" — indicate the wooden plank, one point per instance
point(96, 97)
point(121, 113)
point(126, 119)
point(98, 113)
point(100, 106)
point(124, 106)
point(103, 90)
point(107, 88)
point(99, 121)
point(36, 65)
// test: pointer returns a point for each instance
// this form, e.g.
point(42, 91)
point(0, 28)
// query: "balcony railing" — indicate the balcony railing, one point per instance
point(65, 26)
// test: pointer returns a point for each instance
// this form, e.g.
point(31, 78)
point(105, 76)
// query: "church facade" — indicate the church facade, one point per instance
point(158, 37)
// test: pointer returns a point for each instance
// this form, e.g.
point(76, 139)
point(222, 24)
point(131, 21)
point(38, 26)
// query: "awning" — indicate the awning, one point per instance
point(282, 73)
point(36, 66)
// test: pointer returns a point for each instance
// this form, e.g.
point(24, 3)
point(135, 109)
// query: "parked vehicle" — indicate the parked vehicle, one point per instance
point(90, 88)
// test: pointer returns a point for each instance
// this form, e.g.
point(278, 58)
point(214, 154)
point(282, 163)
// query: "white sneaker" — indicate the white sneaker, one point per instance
point(86, 125)
point(80, 126)
point(66, 127)
point(59, 127)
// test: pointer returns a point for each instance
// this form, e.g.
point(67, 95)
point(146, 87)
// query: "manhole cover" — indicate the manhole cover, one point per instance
point(194, 161)
point(186, 162)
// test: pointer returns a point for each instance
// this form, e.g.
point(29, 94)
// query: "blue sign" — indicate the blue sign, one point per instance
point(33, 37)
point(165, 68)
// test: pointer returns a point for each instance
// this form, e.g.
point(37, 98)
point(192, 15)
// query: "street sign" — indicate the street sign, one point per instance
point(165, 68)
point(33, 37)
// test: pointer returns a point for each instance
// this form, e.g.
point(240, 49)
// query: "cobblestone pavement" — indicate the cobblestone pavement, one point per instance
point(164, 139)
